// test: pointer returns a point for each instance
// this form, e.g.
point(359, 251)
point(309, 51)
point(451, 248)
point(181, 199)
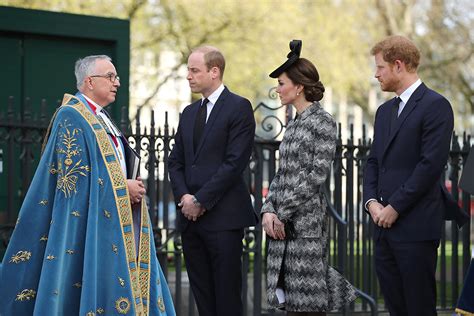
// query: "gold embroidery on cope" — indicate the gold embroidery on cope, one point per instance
point(143, 275)
point(50, 257)
point(144, 255)
point(70, 169)
point(118, 182)
point(77, 285)
point(114, 248)
point(43, 202)
point(100, 311)
point(107, 214)
point(20, 256)
point(101, 182)
point(121, 281)
point(25, 295)
point(69, 251)
point(161, 305)
point(91, 313)
point(122, 305)
point(75, 213)
point(44, 238)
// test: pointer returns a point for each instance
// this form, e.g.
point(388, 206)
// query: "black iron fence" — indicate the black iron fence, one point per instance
point(351, 251)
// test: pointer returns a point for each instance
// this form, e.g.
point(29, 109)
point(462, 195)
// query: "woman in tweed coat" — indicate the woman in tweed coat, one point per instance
point(298, 264)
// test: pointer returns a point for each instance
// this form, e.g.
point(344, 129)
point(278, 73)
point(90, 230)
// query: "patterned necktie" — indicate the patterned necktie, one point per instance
point(200, 123)
point(394, 115)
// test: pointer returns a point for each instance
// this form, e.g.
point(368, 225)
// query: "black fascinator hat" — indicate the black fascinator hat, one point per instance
point(293, 56)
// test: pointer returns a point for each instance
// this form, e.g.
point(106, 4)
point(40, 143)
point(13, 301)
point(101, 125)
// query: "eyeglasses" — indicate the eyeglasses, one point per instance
point(112, 77)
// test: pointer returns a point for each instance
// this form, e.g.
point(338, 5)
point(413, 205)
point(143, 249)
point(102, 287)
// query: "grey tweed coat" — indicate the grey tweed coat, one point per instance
point(306, 153)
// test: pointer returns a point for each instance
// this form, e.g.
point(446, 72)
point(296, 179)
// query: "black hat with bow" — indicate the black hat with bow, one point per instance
point(293, 56)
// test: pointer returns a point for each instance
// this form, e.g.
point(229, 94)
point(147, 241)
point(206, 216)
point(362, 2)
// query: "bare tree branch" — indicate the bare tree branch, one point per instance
point(134, 7)
point(170, 75)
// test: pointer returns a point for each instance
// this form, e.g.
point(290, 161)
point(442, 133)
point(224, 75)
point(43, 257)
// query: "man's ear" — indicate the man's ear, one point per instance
point(399, 66)
point(88, 83)
point(215, 72)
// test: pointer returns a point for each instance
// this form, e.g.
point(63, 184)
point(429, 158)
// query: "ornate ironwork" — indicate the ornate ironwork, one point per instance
point(21, 134)
point(271, 124)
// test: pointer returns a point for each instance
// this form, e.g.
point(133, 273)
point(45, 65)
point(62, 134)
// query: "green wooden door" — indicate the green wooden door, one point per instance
point(40, 74)
point(10, 85)
point(49, 66)
point(38, 51)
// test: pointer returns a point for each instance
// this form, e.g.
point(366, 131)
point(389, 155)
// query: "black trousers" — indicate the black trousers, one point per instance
point(214, 266)
point(406, 273)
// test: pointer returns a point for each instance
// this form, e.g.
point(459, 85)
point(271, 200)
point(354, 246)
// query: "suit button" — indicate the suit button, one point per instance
point(193, 166)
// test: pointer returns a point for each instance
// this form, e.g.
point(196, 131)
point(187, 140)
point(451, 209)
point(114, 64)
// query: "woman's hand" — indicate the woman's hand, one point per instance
point(273, 226)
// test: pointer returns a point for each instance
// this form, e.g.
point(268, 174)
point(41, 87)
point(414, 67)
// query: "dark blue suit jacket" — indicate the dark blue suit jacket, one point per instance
point(404, 169)
point(214, 172)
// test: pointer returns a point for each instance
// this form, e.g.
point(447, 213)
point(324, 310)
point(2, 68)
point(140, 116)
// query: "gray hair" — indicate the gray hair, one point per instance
point(84, 67)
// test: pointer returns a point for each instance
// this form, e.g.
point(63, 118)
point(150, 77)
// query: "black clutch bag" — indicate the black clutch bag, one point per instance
point(290, 232)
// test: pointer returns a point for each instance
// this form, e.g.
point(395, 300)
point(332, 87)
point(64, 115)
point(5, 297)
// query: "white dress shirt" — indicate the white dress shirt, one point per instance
point(405, 96)
point(213, 99)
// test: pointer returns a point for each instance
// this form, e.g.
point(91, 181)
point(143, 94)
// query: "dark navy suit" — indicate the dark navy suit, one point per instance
point(404, 170)
point(213, 174)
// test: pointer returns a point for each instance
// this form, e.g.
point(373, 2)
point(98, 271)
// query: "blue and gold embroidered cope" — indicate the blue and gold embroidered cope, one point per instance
point(73, 252)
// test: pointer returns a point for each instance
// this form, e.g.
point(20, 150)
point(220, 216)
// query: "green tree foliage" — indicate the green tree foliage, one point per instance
point(443, 30)
point(254, 35)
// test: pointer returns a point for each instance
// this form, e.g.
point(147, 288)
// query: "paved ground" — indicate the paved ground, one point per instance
point(185, 303)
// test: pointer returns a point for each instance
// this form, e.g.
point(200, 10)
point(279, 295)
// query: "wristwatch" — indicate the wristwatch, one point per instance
point(195, 201)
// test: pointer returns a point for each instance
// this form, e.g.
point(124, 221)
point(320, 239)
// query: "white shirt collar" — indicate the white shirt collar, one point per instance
point(98, 111)
point(405, 96)
point(98, 107)
point(215, 95)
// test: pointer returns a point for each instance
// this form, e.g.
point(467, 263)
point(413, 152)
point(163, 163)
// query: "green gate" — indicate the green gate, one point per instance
point(38, 50)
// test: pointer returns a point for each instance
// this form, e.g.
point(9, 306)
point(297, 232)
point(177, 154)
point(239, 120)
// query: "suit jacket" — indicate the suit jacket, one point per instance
point(467, 179)
point(404, 169)
point(213, 174)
